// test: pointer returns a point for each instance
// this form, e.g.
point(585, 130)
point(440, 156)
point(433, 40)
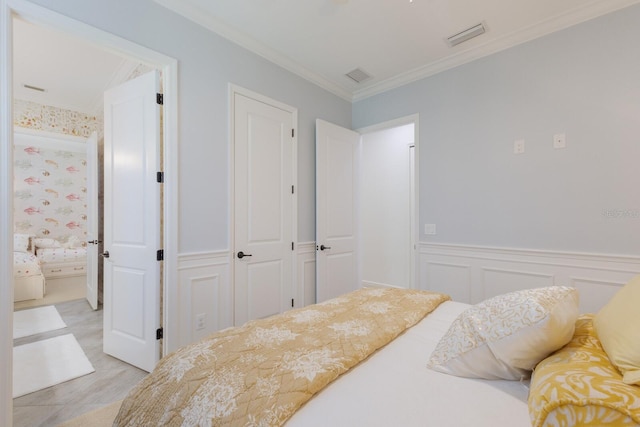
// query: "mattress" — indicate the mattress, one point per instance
point(394, 387)
point(59, 255)
point(25, 265)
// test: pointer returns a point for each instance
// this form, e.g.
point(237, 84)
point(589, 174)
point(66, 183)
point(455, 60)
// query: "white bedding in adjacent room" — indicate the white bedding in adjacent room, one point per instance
point(394, 387)
point(25, 264)
point(56, 255)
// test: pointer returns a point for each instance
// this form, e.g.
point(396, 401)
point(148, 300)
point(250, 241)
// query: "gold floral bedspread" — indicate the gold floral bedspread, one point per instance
point(261, 373)
point(578, 386)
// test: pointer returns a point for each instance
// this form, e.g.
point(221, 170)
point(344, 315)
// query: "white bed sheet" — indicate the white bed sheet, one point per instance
point(395, 388)
point(57, 255)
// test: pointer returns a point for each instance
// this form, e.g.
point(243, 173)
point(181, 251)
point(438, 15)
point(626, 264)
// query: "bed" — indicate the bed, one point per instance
point(382, 357)
point(65, 264)
point(29, 282)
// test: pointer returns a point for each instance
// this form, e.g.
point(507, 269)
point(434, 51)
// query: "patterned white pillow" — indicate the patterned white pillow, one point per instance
point(21, 242)
point(506, 336)
point(46, 243)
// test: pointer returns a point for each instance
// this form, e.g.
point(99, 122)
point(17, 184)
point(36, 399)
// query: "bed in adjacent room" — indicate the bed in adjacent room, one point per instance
point(64, 263)
point(29, 282)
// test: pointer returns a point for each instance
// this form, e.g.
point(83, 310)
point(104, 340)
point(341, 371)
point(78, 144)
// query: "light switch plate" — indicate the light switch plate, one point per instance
point(430, 229)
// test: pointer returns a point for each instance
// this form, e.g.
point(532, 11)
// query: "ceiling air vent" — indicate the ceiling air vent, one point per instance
point(358, 75)
point(36, 88)
point(465, 35)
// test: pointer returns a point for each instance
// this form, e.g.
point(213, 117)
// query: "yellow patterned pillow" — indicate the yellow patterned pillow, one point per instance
point(617, 326)
point(578, 386)
point(504, 337)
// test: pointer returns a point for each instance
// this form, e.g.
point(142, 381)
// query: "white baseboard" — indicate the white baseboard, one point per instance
point(370, 284)
point(473, 273)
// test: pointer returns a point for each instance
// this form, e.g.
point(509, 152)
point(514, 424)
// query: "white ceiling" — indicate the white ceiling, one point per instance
point(396, 41)
point(73, 73)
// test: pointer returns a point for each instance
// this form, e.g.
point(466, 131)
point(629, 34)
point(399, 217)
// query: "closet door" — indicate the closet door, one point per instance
point(264, 206)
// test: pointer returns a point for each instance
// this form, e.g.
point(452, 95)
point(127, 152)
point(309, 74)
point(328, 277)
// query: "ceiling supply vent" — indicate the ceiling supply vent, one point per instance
point(465, 35)
point(36, 88)
point(358, 75)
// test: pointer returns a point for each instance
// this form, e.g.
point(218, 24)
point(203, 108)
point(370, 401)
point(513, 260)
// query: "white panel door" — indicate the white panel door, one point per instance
point(337, 158)
point(264, 208)
point(132, 222)
point(92, 220)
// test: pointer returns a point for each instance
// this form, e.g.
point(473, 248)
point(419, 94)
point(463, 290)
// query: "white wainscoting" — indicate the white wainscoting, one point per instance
point(306, 274)
point(204, 289)
point(471, 273)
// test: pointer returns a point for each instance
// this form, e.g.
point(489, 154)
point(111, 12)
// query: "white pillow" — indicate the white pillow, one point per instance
point(506, 336)
point(21, 243)
point(45, 243)
point(71, 242)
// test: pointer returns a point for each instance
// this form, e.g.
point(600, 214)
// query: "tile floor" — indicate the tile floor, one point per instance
point(110, 382)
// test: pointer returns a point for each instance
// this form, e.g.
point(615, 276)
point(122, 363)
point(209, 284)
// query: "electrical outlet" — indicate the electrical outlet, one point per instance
point(430, 229)
point(200, 321)
point(518, 146)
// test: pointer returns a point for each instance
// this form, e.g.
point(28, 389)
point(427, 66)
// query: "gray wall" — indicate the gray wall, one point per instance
point(584, 81)
point(207, 64)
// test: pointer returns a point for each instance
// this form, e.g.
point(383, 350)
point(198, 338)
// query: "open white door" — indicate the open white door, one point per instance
point(264, 206)
point(92, 220)
point(337, 158)
point(132, 222)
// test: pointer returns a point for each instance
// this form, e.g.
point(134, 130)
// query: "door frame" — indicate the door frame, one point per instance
point(93, 224)
point(102, 39)
point(233, 90)
point(415, 217)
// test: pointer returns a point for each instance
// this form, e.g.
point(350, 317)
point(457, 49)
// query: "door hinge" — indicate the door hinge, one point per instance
point(160, 255)
point(160, 177)
point(159, 333)
point(291, 302)
point(291, 245)
point(293, 133)
point(292, 189)
point(159, 99)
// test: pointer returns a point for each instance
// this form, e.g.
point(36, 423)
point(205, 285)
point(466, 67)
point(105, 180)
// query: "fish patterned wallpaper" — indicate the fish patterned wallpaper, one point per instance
point(50, 192)
point(50, 183)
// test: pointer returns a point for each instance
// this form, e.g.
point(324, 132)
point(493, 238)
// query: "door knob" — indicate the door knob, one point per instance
point(105, 254)
point(242, 255)
point(323, 247)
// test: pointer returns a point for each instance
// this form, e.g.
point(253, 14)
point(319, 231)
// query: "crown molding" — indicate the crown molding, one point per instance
point(587, 11)
point(573, 17)
point(204, 19)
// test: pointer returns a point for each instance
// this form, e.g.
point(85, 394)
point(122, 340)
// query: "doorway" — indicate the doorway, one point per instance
point(372, 207)
point(388, 207)
point(39, 15)
point(52, 204)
